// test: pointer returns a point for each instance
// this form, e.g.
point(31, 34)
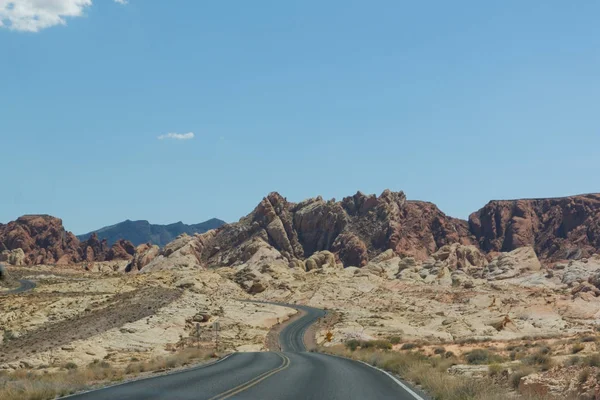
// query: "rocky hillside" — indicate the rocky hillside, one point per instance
point(139, 232)
point(356, 229)
point(42, 239)
point(557, 228)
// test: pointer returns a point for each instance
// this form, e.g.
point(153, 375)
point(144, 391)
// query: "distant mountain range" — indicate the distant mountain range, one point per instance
point(138, 232)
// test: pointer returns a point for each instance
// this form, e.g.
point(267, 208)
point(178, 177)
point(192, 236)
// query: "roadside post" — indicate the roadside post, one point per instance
point(197, 335)
point(216, 327)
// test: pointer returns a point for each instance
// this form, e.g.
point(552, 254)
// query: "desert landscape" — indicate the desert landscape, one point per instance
point(510, 296)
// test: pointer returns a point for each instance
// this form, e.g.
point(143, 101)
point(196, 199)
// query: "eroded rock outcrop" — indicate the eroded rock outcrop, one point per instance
point(557, 228)
point(511, 264)
point(355, 230)
point(13, 257)
point(42, 238)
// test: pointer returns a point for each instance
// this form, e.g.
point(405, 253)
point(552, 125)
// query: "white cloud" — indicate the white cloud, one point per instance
point(177, 136)
point(35, 15)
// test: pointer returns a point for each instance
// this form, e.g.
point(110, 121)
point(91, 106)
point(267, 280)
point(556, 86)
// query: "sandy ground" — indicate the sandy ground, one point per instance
point(83, 316)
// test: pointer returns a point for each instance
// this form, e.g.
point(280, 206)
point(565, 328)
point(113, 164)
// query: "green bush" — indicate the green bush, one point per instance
point(395, 339)
point(495, 369)
point(378, 344)
point(543, 361)
point(515, 377)
point(8, 335)
point(352, 344)
point(482, 357)
point(70, 365)
point(439, 350)
point(408, 346)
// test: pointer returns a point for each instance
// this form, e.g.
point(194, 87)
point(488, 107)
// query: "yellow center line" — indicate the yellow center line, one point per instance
point(252, 382)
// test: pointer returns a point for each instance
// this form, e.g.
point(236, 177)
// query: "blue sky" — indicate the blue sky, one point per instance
point(453, 102)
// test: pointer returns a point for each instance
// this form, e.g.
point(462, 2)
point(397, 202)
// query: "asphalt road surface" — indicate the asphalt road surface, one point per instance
point(292, 374)
point(25, 286)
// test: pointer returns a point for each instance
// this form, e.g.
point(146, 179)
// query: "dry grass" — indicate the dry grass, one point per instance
point(431, 374)
point(29, 385)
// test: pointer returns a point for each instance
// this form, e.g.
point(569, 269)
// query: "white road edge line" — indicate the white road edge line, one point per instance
point(402, 385)
point(150, 377)
point(409, 390)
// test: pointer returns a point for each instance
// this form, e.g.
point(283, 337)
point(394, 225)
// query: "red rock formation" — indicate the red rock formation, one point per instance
point(557, 228)
point(121, 250)
point(355, 229)
point(94, 249)
point(42, 238)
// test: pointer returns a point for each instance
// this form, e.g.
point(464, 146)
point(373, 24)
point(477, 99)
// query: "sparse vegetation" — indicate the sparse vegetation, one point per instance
point(517, 375)
point(70, 365)
point(395, 339)
point(543, 361)
point(577, 347)
point(431, 373)
point(408, 346)
point(8, 335)
point(592, 360)
point(482, 357)
point(495, 370)
point(23, 384)
point(354, 344)
point(584, 375)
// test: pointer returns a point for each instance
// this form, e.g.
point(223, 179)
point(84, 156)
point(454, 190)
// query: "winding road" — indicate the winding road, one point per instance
point(25, 286)
point(293, 373)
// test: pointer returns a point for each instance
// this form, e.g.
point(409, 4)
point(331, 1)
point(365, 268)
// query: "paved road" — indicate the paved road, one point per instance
point(293, 374)
point(25, 286)
point(291, 338)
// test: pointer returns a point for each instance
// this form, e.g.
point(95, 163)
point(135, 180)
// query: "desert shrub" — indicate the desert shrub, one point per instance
point(395, 339)
point(545, 350)
point(70, 365)
point(352, 344)
point(541, 360)
point(8, 336)
point(574, 360)
point(408, 346)
point(588, 339)
point(449, 354)
point(515, 377)
point(577, 347)
point(592, 360)
point(583, 376)
point(439, 350)
point(481, 357)
point(495, 369)
point(377, 344)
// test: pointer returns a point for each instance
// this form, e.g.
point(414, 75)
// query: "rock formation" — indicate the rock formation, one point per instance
point(557, 228)
point(511, 264)
point(42, 239)
point(356, 229)
point(13, 257)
